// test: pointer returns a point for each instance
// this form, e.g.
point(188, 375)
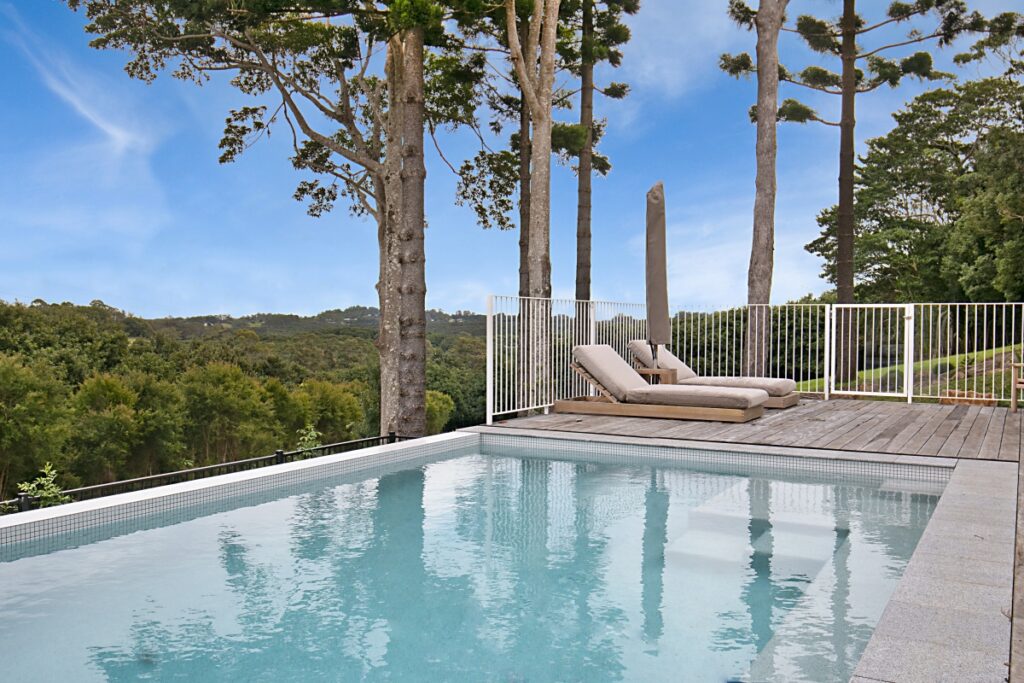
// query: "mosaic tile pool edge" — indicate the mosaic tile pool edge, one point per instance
point(45, 529)
point(42, 531)
point(724, 461)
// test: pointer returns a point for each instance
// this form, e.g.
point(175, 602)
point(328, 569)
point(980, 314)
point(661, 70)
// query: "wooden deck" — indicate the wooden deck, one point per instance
point(846, 425)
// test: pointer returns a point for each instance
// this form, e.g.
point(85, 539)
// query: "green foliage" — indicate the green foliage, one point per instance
point(332, 409)
point(987, 246)
point(488, 184)
point(104, 429)
point(309, 439)
point(742, 14)
point(737, 65)
point(162, 395)
point(938, 200)
point(820, 35)
point(44, 489)
point(1003, 35)
point(795, 111)
point(439, 410)
point(227, 413)
point(32, 426)
point(455, 366)
point(819, 78)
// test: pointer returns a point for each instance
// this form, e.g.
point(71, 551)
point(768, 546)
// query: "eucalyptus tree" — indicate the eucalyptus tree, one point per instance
point(314, 68)
point(839, 38)
point(534, 56)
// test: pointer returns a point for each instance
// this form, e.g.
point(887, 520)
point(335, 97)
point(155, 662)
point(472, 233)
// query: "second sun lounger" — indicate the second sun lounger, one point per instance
point(782, 393)
point(623, 392)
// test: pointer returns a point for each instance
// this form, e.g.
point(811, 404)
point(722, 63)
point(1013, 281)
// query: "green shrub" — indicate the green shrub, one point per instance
point(44, 489)
point(440, 407)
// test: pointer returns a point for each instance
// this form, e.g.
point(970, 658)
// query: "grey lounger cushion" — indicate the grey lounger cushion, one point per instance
point(774, 387)
point(623, 382)
point(608, 368)
point(641, 350)
point(697, 397)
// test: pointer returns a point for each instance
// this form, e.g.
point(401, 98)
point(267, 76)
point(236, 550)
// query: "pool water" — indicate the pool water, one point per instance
point(482, 568)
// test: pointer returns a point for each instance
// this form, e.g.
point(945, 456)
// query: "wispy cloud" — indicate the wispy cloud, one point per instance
point(75, 189)
point(79, 89)
point(664, 58)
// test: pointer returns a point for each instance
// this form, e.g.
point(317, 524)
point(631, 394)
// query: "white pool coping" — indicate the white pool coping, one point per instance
point(122, 508)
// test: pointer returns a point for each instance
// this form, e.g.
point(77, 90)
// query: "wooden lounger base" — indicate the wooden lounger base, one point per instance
point(787, 401)
point(598, 405)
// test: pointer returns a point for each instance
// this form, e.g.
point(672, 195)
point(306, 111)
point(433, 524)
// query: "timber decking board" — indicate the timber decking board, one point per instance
point(943, 431)
point(1009, 449)
point(956, 439)
point(978, 430)
point(859, 426)
point(990, 444)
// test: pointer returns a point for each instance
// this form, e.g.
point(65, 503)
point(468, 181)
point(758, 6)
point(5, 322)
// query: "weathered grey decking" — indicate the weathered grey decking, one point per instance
point(973, 432)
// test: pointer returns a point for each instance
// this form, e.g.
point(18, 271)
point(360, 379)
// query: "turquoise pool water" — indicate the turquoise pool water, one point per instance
point(495, 567)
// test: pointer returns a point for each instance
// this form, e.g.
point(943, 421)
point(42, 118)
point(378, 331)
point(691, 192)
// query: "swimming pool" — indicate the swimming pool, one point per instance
point(504, 561)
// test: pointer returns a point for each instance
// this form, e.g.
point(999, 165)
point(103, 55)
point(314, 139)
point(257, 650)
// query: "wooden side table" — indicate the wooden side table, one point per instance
point(1016, 384)
point(658, 375)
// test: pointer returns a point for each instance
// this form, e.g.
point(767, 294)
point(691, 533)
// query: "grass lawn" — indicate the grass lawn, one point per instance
point(920, 367)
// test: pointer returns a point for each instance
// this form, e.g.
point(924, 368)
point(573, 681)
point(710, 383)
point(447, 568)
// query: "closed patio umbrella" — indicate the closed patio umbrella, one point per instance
point(657, 271)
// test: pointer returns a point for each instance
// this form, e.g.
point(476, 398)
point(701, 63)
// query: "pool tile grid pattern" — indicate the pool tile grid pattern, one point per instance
point(41, 531)
point(723, 461)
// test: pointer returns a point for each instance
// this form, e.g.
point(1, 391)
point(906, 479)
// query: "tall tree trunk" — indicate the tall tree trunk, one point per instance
point(846, 333)
point(769, 19)
point(534, 63)
point(524, 196)
point(402, 288)
point(844, 231)
point(586, 155)
point(540, 205)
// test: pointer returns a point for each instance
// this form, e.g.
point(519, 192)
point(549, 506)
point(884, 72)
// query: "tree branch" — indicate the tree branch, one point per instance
point(919, 39)
point(830, 91)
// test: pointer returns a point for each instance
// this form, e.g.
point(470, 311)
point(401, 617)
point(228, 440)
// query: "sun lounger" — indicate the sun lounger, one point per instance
point(782, 393)
point(623, 392)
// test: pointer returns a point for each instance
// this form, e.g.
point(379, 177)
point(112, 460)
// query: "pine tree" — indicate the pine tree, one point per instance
point(602, 34)
point(839, 38)
point(767, 21)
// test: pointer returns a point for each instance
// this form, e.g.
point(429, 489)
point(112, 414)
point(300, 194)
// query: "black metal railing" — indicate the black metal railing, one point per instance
point(25, 502)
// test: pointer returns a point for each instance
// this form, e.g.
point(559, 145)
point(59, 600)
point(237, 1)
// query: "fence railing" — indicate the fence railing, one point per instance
point(25, 502)
point(947, 352)
point(530, 342)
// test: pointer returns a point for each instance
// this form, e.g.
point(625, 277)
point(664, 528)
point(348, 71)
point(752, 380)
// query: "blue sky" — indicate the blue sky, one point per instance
point(111, 188)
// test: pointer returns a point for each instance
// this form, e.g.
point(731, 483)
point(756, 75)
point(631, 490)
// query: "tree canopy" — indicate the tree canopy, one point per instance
point(938, 215)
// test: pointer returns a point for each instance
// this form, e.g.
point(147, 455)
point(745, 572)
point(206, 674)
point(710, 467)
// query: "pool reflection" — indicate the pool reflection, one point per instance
point(502, 568)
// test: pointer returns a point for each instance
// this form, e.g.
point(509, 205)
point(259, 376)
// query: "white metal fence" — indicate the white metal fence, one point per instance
point(944, 352)
point(530, 342)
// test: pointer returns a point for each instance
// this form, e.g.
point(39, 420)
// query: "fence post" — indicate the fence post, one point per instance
point(392, 437)
point(490, 359)
point(908, 352)
point(24, 502)
point(278, 457)
point(830, 356)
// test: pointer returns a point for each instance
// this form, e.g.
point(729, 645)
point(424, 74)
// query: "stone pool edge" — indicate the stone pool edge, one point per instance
point(949, 617)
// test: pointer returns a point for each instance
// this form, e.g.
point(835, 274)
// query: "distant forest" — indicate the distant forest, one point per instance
point(104, 395)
